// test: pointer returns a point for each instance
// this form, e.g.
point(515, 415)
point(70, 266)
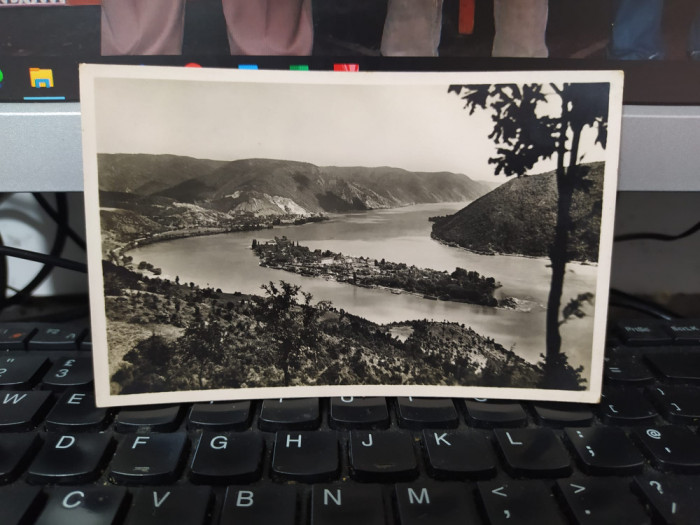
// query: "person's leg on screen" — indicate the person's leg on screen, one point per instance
point(142, 27)
point(269, 27)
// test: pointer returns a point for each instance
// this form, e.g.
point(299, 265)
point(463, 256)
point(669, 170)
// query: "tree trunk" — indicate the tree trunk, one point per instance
point(566, 178)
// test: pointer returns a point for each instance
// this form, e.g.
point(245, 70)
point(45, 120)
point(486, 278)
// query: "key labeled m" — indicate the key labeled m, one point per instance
point(422, 498)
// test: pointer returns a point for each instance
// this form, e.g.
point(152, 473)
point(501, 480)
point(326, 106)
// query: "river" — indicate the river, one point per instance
point(226, 261)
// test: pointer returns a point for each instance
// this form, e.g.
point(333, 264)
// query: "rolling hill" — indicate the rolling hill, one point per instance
point(278, 187)
point(519, 216)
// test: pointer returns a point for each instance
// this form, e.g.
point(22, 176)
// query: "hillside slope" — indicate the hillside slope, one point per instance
point(278, 187)
point(519, 217)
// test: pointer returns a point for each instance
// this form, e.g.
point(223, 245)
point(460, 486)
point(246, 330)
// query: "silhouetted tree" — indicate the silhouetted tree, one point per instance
point(525, 132)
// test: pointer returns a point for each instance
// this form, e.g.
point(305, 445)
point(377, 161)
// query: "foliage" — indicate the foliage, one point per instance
point(525, 132)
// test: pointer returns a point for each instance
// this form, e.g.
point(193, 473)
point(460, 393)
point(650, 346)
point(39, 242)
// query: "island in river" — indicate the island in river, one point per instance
point(460, 286)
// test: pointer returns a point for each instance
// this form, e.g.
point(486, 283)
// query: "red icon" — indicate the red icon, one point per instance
point(346, 67)
point(192, 64)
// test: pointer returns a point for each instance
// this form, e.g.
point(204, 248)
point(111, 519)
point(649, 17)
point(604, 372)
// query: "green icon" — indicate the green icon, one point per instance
point(299, 67)
point(1, 77)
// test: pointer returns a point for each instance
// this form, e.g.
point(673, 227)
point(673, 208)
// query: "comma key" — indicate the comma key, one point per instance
point(519, 502)
point(255, 505)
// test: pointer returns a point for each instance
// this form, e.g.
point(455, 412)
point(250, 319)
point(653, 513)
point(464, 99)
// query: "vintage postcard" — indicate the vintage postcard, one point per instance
point(267, 234)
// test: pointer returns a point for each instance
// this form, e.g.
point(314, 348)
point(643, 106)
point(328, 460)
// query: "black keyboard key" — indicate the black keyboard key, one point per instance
point(220, 416)
point(180, 505)
point(257, 505)
point(382, 456)
point(306, 456)
point(70, 459)
point(677, 403)
point(673, 500)
point(22, 410)
point(605, 450)
point(627, 371)
point(347, 505)
point(148, 459)
point(685, 331)
point(290, 414)
point(20, 370)
point(519, 503)
point(165, 418)
point(95, 505)
point(677, 366)
point(56, 338)
point(489, 414)
point(670, 448)
point(69, 372)
point(562, 414)
point(417, 412)
point(625, 407)
point(533, 452)
point(226, 458)
point(608, 501)
point(435, 504)
point(76, 412)
point(19, 504)
point(359, 412)
point(643, 333)
point(86, 342)
point(15, 337)
point(16, 450)
point(456, 454)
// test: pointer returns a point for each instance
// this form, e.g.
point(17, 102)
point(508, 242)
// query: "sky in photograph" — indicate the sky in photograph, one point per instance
point(412, 126)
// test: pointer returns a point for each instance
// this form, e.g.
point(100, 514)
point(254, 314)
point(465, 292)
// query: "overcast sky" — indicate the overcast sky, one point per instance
point(415, 127)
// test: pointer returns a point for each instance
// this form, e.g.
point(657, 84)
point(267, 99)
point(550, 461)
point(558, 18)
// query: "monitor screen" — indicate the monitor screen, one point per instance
point(43, 41)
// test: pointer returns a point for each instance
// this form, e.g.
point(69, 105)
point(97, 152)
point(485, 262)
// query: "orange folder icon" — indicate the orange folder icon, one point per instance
point(40, 77)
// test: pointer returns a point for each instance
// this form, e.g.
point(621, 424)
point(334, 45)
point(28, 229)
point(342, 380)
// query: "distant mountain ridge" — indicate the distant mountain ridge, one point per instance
point(278, 187)
point(519, 216)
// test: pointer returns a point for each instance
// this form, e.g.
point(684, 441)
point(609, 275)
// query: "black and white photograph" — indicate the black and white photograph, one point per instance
point(265, 234)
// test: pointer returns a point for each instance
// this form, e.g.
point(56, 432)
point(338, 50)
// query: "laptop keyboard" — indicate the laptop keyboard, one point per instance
point(632, 459)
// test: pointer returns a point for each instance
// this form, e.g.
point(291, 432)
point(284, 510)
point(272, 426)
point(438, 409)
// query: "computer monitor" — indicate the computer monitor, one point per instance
point(44, 41)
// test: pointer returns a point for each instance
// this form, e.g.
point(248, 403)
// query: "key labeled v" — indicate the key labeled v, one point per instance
point(158, 502)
